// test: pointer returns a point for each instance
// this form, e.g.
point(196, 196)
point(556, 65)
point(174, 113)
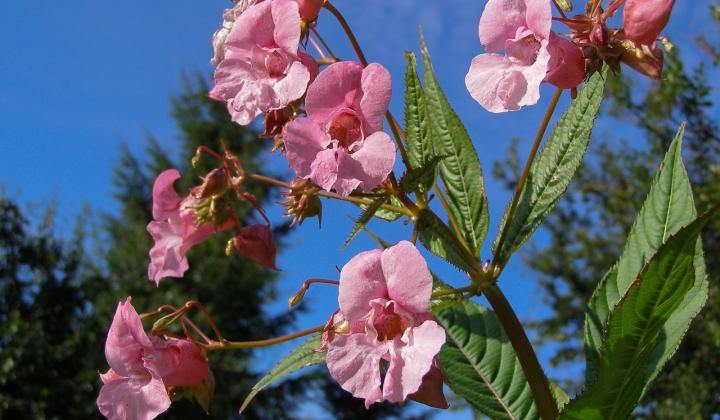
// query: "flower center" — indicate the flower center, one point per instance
point(523, 49)
point(345, 127)
point(388, 326)
point(276, 64)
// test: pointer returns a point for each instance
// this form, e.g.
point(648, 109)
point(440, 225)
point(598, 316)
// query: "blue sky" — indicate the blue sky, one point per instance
point(79, 78)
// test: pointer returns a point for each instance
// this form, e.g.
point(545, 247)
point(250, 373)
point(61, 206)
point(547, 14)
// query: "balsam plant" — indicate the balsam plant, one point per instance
point(399, 332)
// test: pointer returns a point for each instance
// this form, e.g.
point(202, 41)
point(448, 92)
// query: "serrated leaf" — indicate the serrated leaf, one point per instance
point(417, 128)
point(422, 178)
point(480, 364)
point(554, 168)
point(667, 208)
point(440, 241)
point(635, 327)
point(364, 218)
point(302, 356)
point(387, 215)
point(460, 169)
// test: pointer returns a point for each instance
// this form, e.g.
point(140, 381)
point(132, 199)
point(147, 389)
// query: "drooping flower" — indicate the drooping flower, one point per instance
point(142, 367)
point(256, 242)
point(132, 388)
point(261, 68)
point(175, 228)
point(532, 54)
point(340, 146)
point(384, 296)
point(643, 20)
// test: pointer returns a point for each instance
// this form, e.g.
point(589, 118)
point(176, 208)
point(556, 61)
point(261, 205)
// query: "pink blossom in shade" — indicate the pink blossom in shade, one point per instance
point(340, 146)
point(261, 68)
point(643, 20)
point(566, 68)
point(509, 81)
point(132, 388)
point(174, 228)
point(384, 296)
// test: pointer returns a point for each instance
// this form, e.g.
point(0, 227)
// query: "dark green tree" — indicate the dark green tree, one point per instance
point(586, 231)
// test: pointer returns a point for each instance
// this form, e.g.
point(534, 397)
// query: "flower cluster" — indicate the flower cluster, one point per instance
point(534, 54)
point(382, 342)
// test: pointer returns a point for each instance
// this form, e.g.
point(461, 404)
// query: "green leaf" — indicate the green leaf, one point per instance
point(554, 168)
point(667, 208)
point(364, 218)
point(304, 355)
point(387, 215)
point(635, 328)
point(417, 129)
point(167, 320)
point(422, 178)
point(439, 240)
point(480, 364)
point(460, 169)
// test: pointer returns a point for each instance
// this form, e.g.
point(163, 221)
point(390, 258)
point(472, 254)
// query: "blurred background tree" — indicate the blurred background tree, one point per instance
point(59, 295)
point(587, 230)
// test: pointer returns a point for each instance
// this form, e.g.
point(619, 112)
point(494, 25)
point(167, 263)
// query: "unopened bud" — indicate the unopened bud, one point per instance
point(566, 5)
point(310, 9)
point(297, 297)
point(256, 242)
point(647, 60)
point(215, 182)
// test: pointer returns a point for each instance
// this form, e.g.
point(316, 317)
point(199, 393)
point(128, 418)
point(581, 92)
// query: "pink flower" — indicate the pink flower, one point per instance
point(142, 367)
point(220, 35)
point(384, 296)
point(309, 9)
point(643, 20)
point(174, 228)
point(132, 388)
point(340, 145)
point(261, 68)
point(532, 54)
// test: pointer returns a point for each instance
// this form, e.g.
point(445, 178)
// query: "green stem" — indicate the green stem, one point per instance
point(498, 259)
point(539, 384)
point(233, 345)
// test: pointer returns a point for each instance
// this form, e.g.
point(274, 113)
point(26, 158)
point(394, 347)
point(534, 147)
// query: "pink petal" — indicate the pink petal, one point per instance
point(180, 362)
point(292, 86)
point(257, 243)
point(304, 139)
point(252, 99)
point(349, 173)
point(539, 18)
point(431, 389)
point(499, 22)
point(566, 68)
point(495, 83)
point(410, 359)
point(376, 85)
point(126, 341)
point(361, 280)
point(286, 19)
point(535, 74)
point(310, 64)
point(324, 169)
point(255, 26)
point(167, 258)
point(335, 87)
point(408, 278)
point(109, 376)
point(138, 398)
point(643, 20)
point(375, 161)
point(354, 362)
point(165, 199)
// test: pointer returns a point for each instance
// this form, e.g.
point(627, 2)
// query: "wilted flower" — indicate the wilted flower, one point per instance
point(384, 297)
point(340, 146)
point(256, 242)
point(261, 69)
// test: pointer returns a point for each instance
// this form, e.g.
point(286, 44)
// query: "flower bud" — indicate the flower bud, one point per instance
point(297, 298)
point(309, 9)
point(214, 182)
point(643, 20)
point(181, 363)
point(256, 242)
point(647, 60)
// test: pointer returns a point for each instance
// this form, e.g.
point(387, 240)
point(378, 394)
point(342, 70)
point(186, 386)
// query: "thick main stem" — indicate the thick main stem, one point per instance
point(524, 176)
point(539, 384)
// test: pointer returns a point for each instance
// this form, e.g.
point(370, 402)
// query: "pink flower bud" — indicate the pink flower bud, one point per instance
point(181, 363)
point(256, 242)
point(309, 9)
point(643, 20)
